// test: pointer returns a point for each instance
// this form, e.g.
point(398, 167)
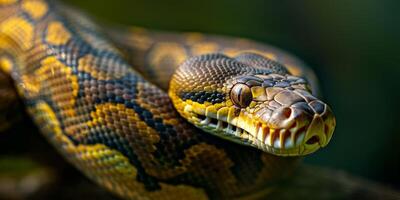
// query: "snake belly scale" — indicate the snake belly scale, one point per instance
point(82, 87)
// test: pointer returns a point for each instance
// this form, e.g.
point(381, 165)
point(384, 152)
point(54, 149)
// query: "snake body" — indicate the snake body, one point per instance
point(83, 88)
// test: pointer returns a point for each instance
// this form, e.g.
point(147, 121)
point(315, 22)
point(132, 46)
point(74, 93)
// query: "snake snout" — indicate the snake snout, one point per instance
point(319, 126)
point(299, 124)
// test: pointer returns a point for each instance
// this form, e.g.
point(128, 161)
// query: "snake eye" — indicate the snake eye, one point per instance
point(241, 95)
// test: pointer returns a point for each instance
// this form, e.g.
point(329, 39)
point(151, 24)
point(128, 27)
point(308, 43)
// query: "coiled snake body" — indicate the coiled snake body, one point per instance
point(83, 88)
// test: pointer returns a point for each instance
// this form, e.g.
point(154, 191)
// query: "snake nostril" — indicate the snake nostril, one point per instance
point(314, 139)
point(286, 112)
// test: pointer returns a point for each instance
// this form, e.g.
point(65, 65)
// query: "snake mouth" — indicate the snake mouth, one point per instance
point(302, 137)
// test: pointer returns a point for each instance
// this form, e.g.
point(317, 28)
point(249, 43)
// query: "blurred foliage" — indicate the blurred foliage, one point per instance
point(15, 166)
point(352, 46)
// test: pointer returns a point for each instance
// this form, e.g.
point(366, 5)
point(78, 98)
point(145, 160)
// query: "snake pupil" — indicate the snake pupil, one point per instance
point(241, 95)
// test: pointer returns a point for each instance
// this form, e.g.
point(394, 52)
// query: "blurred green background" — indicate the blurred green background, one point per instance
point(351, 45)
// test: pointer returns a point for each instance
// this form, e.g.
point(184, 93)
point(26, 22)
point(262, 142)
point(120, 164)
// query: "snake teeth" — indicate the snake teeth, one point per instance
point(267, 140)
point(206, 121)
point(274, 138)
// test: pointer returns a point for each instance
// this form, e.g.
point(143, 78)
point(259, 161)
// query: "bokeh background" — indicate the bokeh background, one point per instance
point(353, 46)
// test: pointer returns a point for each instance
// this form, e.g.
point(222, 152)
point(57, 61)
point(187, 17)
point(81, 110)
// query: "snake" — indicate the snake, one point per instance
point(161, 115)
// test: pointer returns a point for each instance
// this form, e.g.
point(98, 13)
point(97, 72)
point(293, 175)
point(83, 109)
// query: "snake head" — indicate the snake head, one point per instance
point(252, 100)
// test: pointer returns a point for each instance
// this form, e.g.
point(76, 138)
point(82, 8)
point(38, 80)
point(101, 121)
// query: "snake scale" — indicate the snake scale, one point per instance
point(238, 116)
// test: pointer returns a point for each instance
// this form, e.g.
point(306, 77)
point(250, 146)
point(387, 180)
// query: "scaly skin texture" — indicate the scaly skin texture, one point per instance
point(115, 126)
